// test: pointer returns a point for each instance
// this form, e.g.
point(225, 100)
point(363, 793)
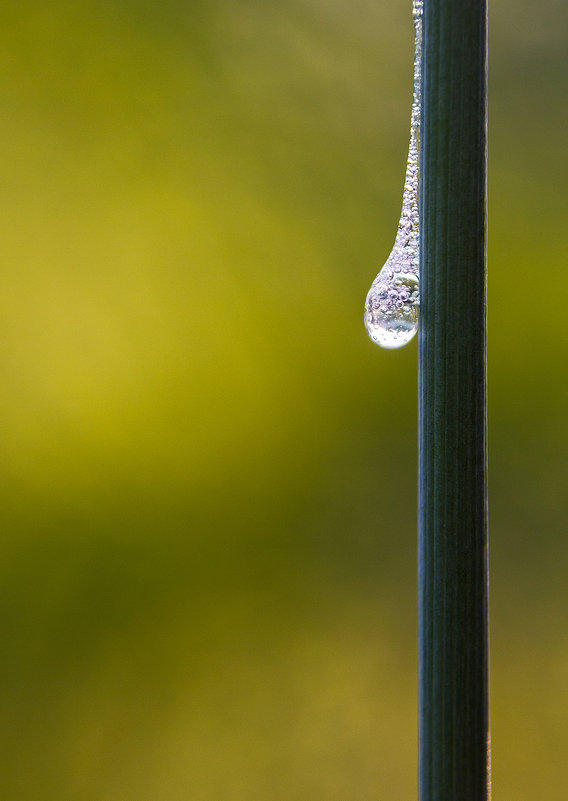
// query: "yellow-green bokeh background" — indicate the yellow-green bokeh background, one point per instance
point(208, 473)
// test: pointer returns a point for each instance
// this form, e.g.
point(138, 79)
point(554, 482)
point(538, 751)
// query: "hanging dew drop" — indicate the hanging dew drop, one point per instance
point(393, 301)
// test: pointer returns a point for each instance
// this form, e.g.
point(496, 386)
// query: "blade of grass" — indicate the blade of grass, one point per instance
point(453, 575)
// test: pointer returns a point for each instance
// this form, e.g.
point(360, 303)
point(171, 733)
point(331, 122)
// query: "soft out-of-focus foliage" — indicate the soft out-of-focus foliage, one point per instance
point(208, 485)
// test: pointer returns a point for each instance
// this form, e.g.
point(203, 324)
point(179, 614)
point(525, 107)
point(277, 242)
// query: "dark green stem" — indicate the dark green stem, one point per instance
point(453, 621)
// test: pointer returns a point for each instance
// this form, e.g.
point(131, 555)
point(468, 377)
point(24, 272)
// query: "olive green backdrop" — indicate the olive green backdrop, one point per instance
point(208, 472)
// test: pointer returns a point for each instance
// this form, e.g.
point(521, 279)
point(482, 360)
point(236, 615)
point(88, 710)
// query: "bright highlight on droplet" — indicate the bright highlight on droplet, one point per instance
point(393, 302)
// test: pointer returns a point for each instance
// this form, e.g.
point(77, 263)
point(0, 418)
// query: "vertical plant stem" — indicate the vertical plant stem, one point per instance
point(453, 620)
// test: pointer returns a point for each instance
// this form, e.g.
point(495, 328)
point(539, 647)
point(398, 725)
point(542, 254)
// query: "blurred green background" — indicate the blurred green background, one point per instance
point(208, 472)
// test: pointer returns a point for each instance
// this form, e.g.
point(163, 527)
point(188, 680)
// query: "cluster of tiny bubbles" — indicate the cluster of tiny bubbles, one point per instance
point(391, 310)
point(393, 302)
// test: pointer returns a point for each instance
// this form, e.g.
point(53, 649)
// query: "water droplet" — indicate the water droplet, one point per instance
point(393, 301)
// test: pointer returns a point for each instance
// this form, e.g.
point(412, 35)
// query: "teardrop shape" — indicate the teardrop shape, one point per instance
point(393, 301)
